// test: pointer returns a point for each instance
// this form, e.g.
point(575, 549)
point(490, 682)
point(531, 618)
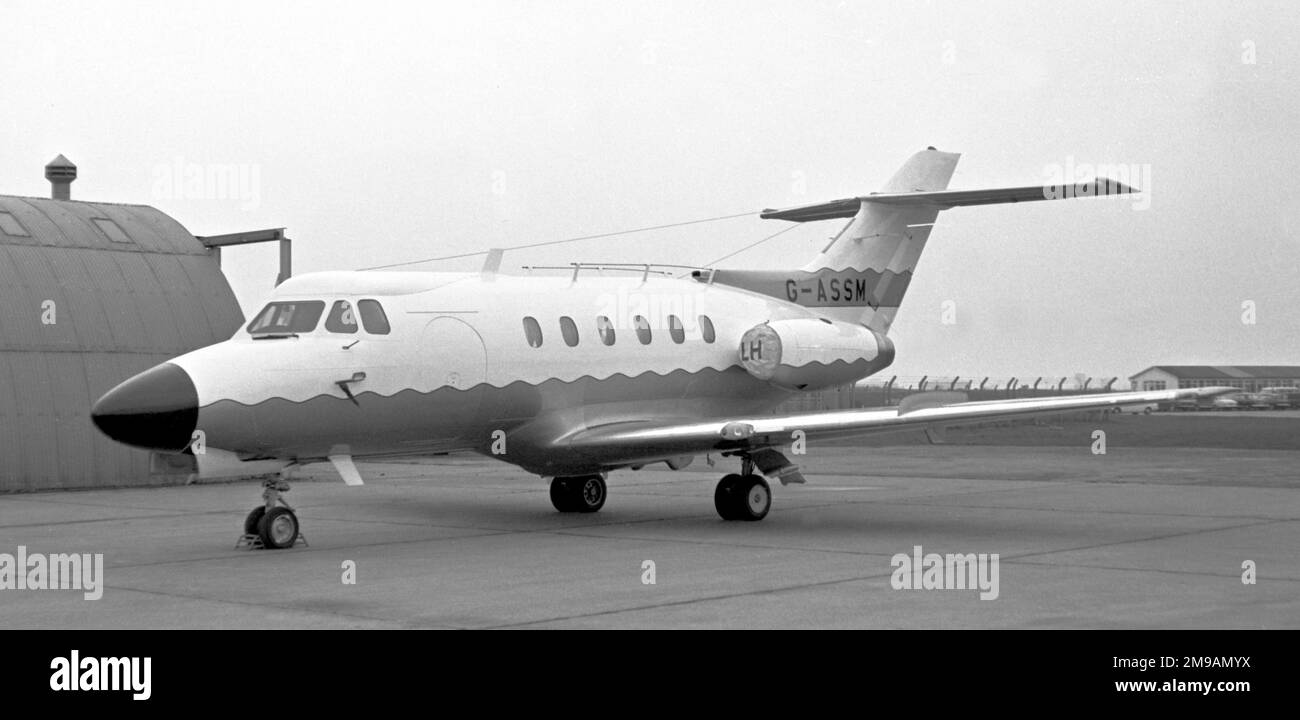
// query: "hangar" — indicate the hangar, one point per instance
point(1250, 378)
point(90, 294)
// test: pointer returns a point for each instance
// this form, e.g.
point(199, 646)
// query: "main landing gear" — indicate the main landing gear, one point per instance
point(272, 524)
point(746, 496)
point(743, 497)
point(584, 494)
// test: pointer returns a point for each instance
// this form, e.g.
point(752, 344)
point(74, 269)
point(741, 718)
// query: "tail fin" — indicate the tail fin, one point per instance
point(862, 275)
point(880, 247)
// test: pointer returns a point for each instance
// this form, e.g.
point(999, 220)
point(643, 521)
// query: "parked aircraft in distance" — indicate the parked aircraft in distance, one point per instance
point(573, 377)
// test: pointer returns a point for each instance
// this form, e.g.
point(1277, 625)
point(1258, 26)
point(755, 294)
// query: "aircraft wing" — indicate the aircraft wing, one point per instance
point(649, 438)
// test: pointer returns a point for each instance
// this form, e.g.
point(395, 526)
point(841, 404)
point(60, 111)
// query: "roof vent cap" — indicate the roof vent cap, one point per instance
point(61, 172)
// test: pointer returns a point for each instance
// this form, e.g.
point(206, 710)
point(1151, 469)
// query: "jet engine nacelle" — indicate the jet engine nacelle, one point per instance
point(812, 353)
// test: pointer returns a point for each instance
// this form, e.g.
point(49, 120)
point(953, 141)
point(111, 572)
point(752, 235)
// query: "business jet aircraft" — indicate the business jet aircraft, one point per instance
point(573, 376)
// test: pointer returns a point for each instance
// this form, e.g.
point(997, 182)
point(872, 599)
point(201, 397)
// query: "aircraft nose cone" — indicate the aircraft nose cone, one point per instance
point(157, 409)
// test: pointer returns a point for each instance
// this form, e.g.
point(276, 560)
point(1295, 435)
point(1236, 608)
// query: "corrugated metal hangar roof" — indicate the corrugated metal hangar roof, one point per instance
point(90, 294)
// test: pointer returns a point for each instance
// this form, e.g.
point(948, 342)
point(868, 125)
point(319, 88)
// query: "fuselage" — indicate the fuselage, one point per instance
point(503, 365)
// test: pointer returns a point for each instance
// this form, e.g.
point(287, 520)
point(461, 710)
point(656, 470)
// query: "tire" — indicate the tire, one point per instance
point(254, 517)
point(753, 498)
point(583, 494)
point(561, 496)
point(724, 497)
point(1146, 411)
point(278, 528)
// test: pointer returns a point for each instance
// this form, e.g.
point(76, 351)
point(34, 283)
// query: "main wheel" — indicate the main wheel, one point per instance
point(254, 517)
point(278, 528)
point(730, 497)
point(584, 494)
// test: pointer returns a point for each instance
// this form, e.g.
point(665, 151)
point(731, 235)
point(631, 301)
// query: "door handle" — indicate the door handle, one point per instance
point(346, 386)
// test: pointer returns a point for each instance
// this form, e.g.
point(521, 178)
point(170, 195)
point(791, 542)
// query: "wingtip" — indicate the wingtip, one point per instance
point(1214, 391)
point(1114, 187)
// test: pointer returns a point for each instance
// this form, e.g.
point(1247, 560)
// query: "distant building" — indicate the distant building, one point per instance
point(1250, 378)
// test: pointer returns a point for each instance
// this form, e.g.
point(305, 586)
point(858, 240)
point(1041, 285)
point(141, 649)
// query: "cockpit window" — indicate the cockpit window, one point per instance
point(341, 318)
point(287, 317)
point(372, 317)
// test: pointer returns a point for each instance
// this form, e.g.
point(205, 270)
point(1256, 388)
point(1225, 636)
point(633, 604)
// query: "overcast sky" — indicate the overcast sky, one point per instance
point(384, 132)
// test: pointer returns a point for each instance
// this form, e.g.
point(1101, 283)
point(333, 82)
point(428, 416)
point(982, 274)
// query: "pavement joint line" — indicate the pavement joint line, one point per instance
point(1083, 511)
point(258, 605)
point(161, 516)
point(1166, 571)
point(233, 554)
point(691, 601)
point(1165, 536)
point(694, 601)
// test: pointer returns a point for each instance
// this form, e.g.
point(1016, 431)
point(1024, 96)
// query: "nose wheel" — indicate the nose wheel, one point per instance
point(584, 494)
point(743, 497)
point(273, 524)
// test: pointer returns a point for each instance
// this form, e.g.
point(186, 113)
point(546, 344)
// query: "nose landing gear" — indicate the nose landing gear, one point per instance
point(272, 525)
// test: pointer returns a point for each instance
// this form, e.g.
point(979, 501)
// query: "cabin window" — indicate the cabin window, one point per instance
point(569, 330)
point(605, 329)
point(10, 226)
point(706, 329)
point(287, 317)
point(642, 329)
point(341, 318)
point(373, 318)
point(676, 330)
point(533, 332)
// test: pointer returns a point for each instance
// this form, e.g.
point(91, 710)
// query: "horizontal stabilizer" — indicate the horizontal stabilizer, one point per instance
point(941, 199)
